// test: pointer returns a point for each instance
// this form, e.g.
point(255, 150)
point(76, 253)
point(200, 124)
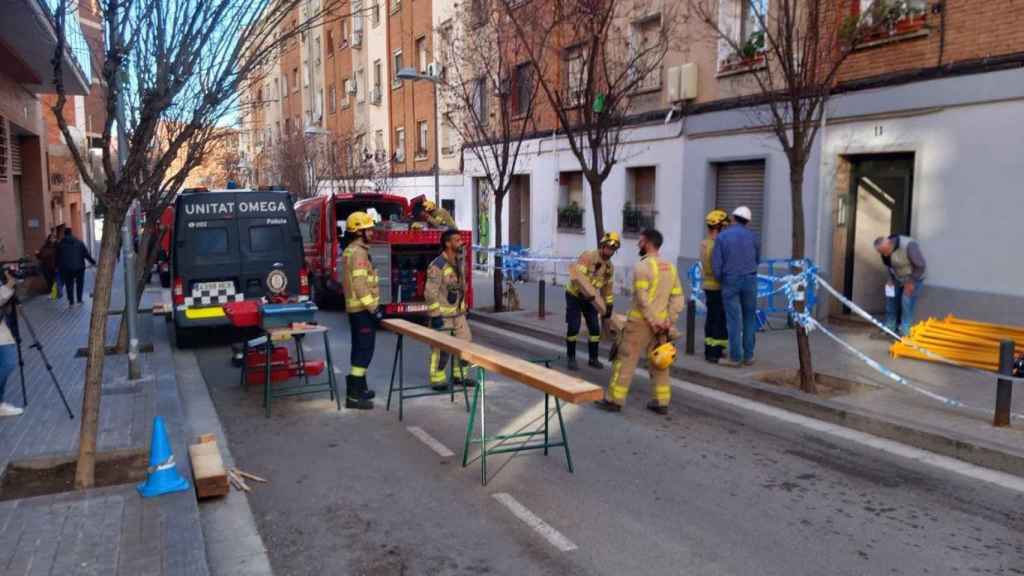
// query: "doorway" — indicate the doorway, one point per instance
point(519, 212)
point(878, 203)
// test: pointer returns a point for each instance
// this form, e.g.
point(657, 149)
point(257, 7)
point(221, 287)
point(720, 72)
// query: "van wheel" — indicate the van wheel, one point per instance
point(182, 337)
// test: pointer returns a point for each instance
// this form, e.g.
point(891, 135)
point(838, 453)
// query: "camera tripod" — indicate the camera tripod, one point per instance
point(16, 329)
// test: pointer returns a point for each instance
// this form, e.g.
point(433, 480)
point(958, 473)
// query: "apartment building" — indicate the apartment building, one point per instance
point(28, 41)
point(922, 138)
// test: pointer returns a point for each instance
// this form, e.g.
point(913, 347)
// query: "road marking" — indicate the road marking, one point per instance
point(939, 461)
point(430, 441)
point(554, 537)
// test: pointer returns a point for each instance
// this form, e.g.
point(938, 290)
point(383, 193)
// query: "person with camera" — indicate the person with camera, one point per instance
point(445, 294)
point(71, 257)
point(8, 345)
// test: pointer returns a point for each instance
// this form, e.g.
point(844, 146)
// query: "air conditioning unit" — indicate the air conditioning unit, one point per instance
point(434, 69)
point(350, 87)
point(357, 38)
point(375, 96)
point(682, 82)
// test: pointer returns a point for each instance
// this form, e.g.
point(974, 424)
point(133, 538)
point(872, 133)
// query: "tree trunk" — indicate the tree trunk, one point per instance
point(595, 203)
point(499, 276)
point(85, 470)
point(144, 261)
point(803, 345)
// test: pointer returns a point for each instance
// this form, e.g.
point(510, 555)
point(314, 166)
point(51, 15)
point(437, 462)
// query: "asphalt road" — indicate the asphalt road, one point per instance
point(710, 489)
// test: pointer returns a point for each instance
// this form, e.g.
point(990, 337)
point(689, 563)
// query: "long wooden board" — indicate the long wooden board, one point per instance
point(562, 386)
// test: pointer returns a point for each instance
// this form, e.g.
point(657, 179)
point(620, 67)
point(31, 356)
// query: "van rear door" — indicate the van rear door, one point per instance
point(206, 249)
point(270, 239)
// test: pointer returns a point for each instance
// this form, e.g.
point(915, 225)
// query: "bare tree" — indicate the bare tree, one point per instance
point(351, 166)
point(609, 54)
point(484, 55)
point(792, 53)
point(162, 60)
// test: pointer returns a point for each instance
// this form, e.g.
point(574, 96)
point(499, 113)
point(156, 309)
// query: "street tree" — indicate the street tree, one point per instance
point(609, 54)
point(161, 60)
point(303, 163)
point(488, 99)
point(791, 51)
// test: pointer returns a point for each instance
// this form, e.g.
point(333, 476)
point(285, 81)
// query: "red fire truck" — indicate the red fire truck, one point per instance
point(400, 253)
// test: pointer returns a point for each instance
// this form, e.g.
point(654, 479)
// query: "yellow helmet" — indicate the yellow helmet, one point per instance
point(358, 221)
point(611, 239)
point(663, 356)
point(716, 217)
point(429, 205)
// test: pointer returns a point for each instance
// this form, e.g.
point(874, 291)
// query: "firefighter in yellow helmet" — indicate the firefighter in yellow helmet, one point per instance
point(589, 294)
point(445, 293)
point(657, 302)
point(434, 215)
point(362, 303)
point(716, 337)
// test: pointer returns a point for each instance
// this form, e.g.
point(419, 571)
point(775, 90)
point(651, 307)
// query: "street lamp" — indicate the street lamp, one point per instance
point(412, 74)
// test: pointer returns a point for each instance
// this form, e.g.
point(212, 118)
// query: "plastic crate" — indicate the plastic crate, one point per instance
point(244, 314)
point(284, 315)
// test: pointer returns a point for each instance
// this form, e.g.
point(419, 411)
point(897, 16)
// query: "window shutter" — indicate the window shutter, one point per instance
point(742, 184)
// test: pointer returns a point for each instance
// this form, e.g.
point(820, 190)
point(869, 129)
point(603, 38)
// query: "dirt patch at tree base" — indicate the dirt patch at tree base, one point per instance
point(55, 475)
point(828, 386)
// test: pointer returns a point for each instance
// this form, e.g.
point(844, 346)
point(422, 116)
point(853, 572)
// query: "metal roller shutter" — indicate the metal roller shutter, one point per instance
point(741, 184)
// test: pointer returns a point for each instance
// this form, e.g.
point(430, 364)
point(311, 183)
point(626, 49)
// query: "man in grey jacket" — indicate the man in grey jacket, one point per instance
point(903, 258)
point(71, 257)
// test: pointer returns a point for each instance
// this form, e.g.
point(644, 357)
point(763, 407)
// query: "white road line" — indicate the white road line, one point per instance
point(939, 461)
point(430, 441)
point(554, 537)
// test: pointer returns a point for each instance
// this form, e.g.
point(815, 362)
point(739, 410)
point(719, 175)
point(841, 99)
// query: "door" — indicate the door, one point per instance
point(879, 205)
point(741, 184)
point(519, 212)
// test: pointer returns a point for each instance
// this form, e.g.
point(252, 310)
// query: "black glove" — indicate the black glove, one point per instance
point(453, 296)
point(378, 315)
point(437, 323)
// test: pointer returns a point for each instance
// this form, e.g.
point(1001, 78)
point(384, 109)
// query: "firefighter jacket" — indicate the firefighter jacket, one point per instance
point(440, 218)
point(591, 277)
point(657, 294)
point(445, 291)
point(709, 282)
point(360, 282)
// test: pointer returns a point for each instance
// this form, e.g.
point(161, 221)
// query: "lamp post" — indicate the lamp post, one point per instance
point(412, 74)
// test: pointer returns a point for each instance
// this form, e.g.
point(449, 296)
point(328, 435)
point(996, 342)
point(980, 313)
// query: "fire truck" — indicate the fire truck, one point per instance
point(400, 252)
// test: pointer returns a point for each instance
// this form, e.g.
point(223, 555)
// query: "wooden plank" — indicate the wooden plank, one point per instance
point(569, 388)
point(208, 471)
point(278, 334)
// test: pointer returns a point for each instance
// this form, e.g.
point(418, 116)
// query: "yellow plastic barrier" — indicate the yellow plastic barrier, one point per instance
point(963, 341)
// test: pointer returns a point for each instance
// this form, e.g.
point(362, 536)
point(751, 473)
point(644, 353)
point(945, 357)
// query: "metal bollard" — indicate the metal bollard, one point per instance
point(691, 327)
point(540, 299)
point(1004, 388)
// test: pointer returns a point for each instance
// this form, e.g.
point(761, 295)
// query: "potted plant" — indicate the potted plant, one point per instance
point(570, 216)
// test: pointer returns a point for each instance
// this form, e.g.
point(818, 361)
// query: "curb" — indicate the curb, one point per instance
point(962, 447)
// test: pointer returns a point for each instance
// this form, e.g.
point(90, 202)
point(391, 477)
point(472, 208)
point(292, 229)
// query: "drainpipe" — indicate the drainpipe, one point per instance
point(824, 197)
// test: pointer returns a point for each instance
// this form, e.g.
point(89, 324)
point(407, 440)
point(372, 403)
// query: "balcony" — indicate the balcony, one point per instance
point(636, 219)
point(570, 218)
point(28, 40)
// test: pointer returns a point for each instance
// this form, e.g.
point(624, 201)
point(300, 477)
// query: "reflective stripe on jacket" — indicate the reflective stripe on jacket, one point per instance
point(657, 293)
point(592, 276)
point(709, 282)
point(360, 282)
point(445, 291)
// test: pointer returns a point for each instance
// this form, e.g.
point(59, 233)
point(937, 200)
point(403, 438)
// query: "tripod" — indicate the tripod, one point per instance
point(15, 326)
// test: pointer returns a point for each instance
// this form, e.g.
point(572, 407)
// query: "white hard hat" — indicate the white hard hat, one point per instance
point(743, 212)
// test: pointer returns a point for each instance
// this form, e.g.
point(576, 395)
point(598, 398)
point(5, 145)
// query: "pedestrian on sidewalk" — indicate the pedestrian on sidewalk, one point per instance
point(47, 256)
point(657, 302)
point(716, 337)
point(589, 294)
point(903, 258)
point(8, 346)
point(71, 258)
point(734, 260)
point(360, 286)
point(445, 294)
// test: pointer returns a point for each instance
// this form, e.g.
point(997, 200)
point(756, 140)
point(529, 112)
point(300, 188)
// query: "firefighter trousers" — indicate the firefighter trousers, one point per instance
point(456, 326)
point(363, 329)
point(637, 339)
point(716, 338)
point(575, 307)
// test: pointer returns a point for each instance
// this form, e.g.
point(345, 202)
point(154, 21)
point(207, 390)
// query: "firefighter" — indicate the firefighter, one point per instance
point(434, 215)
point(362, 300)
point(445, 293)
point(716, 338)
point(589, 294)
point(650, 326)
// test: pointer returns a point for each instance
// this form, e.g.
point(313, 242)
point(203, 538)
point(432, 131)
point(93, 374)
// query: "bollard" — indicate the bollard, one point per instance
point(691, 327)
point(1004, 388)
point(540, 299)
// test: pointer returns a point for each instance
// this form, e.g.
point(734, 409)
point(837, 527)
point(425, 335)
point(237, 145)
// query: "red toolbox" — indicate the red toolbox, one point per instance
point(244, 314)
point(282, 372)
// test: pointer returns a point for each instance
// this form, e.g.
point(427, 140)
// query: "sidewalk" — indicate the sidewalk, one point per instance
point(885, 408)
point(109, 530)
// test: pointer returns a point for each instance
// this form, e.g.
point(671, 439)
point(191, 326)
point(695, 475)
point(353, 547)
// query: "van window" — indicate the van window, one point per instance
point(211, 241)
point(265, 238)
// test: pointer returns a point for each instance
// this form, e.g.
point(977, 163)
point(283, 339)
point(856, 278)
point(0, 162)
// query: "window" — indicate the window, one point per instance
point(265, 238)
point(396, 5)
point(360, 85)
point(480, 99)
point(277, 91)
point(378, 143)
point(575, 75)
point(259, 96)
point(446, 136)
point(284, 85)
point(397, 61)
point(421, 143)
point(375, 12)
point(346, 101)
point(421, 54)
point(277, 128)
point(523, 90)
point(211, 241)
point(638, 213)
point(648, 51)
point(305, 74)
point(332, 99)
point(319, 51)
point(378, 78)
point(478, 10)
point(570, 200)
point(330, 43)
point(400, 144)
point(288, 126)
point(345, 33)
point(752, 13)
point(295, 79)
point(357, 16)
point(874, 11)
point(449, 205)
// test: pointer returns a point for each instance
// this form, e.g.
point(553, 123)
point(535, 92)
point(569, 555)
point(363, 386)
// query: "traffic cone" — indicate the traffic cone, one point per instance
point(163, 475)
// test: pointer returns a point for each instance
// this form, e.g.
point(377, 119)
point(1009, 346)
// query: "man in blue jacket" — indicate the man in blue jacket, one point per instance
point(734, 261)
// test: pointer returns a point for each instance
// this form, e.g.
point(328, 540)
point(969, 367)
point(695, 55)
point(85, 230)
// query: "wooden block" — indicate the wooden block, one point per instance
point(211, 479)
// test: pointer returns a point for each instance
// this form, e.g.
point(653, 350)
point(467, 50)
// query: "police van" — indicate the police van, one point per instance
point(227, 246)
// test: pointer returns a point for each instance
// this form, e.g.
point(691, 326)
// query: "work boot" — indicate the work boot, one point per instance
point(595, 360)
point(354, 395)
point(570, 355)
point(653, 406)
point(364, 389)
point(608, 406)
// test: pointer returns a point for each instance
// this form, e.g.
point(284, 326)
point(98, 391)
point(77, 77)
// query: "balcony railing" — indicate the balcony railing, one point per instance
point(77, 46)
point(636, 219)
point(570, 218)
